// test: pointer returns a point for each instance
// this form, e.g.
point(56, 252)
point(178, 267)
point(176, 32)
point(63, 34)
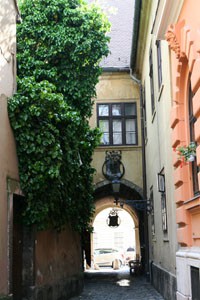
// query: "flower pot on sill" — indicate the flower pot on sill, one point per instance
point(191, 158)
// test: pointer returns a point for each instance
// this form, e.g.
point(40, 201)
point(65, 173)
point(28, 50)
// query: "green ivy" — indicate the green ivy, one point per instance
point(60, 45)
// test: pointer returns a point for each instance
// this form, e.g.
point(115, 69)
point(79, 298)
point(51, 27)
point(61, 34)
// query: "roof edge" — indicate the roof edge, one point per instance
point(136, 25)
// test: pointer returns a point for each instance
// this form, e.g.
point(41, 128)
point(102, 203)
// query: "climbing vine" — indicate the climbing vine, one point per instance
point(60, 45)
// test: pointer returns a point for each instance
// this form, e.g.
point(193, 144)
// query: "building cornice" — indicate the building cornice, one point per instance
point(137, 61)
point(167, 14)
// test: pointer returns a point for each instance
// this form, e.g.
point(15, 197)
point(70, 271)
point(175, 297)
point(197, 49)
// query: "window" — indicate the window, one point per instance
point(159, 59)
point(192, 121)
point(164, 212)
point(144, 112)
point(162, 190)
point(151, 81)
point(118, 123)
point(195, 282)
point(152, 211)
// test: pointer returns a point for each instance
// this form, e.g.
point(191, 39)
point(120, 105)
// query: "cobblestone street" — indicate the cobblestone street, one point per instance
point(116, 285)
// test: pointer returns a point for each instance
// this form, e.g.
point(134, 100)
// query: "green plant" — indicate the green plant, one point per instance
point(187, 153)
point(60, 44)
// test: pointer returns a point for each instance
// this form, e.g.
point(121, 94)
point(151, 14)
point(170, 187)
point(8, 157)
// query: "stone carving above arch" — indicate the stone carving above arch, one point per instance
point(172, 41)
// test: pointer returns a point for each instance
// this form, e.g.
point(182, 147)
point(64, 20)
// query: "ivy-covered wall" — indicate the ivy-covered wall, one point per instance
point(60, 45)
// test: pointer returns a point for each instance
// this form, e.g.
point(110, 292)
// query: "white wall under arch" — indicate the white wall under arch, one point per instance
point(108, 202)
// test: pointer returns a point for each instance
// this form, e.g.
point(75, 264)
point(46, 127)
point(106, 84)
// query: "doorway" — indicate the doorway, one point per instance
point(17, 247)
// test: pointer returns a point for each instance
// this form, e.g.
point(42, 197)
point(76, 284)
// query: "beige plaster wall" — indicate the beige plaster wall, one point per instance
point(119, 87)
point(107, 202)
point(131, 158)
point(8, 158)
point(158, 148)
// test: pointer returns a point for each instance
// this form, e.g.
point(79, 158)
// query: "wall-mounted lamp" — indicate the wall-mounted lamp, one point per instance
point(113, 219)
point(116, 188)
point(161, 182)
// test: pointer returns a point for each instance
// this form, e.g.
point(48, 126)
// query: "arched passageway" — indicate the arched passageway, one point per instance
point(113, 227)
point(129, 193)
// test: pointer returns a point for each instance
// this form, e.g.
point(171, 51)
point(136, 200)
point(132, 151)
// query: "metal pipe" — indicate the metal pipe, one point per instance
point(138, 82)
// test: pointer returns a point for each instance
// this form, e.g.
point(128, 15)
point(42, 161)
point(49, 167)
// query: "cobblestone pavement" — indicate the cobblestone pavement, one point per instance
point(116, 285)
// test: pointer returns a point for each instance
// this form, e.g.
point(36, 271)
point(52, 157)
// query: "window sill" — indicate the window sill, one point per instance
point(192, 199)
point(166, 240)
point(118, 146)
point(193, 203)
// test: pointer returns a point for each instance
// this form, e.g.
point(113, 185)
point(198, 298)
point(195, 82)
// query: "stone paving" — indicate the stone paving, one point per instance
point(116, 285)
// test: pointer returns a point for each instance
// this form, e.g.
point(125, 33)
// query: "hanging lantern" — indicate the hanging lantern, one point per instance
point(113, 219)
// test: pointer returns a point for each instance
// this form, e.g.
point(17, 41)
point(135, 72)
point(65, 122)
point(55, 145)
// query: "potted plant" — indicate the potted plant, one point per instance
point(187, 153)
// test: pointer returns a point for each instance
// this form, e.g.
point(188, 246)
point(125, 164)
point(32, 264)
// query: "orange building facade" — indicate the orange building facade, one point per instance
point(184, 41)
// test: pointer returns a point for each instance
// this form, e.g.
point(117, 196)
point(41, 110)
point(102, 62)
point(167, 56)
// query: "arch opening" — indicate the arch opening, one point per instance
point(105, 202)
point(110, 243)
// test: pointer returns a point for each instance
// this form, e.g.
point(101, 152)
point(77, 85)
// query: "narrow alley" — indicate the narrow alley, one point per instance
point(108, 284)
point(100, 150)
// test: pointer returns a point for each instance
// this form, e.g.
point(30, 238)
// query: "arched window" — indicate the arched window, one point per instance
point(192, 121)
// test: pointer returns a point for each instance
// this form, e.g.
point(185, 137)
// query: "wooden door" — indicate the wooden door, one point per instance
point(17, 248)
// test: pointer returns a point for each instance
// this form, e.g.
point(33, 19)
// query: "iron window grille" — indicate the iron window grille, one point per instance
point(118, 123)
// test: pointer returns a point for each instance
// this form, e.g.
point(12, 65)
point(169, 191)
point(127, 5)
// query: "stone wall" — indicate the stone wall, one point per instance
point(52, 265)
point(62, 290)
point(164, 282)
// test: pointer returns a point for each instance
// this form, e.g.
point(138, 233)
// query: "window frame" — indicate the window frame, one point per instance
point(151, 199)
point(192, 120)
point(159, 63)
point(151, 81)
point(144, 111)
point(123, 117)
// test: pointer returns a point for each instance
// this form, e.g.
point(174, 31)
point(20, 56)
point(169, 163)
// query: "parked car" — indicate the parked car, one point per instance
point(130, 255)
point(107, 256)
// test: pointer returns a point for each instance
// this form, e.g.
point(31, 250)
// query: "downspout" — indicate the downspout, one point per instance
point(138, 82)
point(18, 16)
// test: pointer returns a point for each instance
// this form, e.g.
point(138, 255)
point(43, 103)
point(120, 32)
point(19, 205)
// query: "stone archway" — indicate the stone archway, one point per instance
point(108, 202)
point(128, 193)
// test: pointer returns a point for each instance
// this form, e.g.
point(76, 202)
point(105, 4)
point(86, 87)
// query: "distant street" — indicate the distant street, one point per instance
point(108, 284)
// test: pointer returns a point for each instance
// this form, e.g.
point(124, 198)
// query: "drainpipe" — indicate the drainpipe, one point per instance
point(138, 82)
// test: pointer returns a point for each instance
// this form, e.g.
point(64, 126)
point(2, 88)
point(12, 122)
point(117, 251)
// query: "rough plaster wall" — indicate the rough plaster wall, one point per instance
point(7, 47)
point(8, 158)
point(120, 13)
point(57, 256)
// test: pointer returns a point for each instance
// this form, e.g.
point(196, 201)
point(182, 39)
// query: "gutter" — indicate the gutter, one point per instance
point(136, 24)
point(116, 69)
point(138, 82)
